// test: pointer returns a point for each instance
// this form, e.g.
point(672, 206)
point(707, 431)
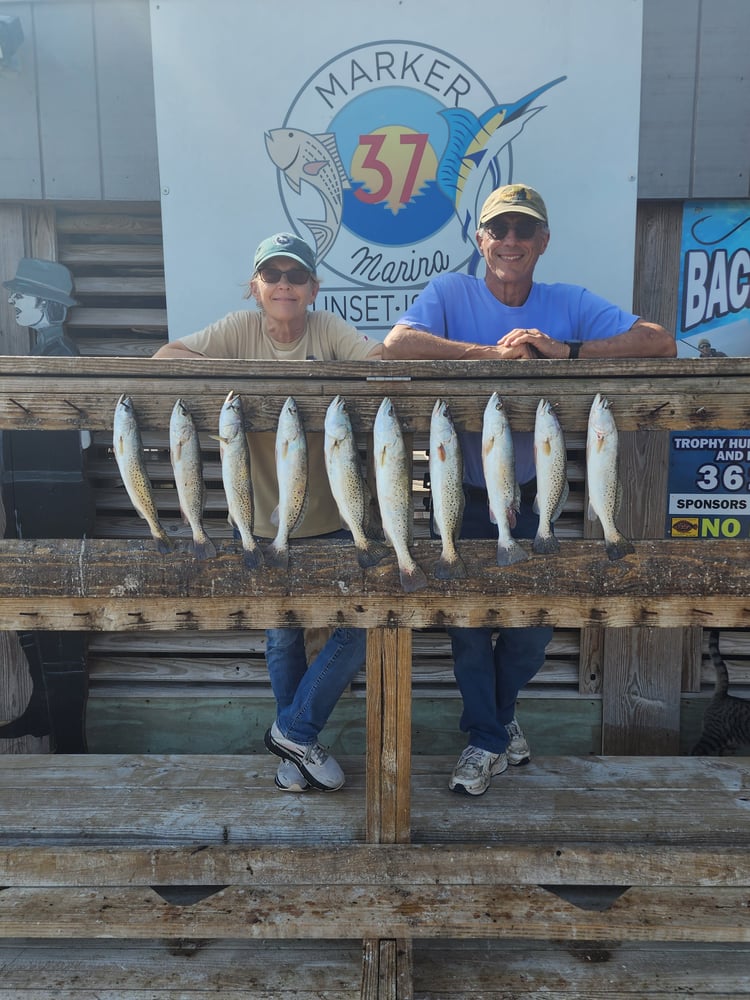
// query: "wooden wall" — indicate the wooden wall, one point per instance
point(209, 692)
point(82, 119)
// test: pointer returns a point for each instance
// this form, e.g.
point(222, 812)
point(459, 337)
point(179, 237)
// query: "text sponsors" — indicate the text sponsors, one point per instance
point(709, 485)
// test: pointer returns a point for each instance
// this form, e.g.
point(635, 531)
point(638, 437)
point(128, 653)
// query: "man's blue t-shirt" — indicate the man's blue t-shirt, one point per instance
point(461, 307)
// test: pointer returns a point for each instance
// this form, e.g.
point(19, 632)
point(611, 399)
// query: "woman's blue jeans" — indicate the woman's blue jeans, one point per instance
point(307, 694)
point(490, 675)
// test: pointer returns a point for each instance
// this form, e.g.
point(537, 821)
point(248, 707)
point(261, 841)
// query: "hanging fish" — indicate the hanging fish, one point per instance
point(291, 473)
point(604, 487)
point(348, 485)
point(128, 449)
point(393, 484)
point(185, 456)
point(235, 474)
point(503, 491)
point(447, 490)
point(551, 476)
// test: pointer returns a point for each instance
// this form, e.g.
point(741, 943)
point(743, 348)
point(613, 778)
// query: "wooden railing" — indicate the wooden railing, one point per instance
point(379, 840)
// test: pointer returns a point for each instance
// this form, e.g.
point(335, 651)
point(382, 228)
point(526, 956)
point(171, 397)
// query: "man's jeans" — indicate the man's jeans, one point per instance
point(489, 676)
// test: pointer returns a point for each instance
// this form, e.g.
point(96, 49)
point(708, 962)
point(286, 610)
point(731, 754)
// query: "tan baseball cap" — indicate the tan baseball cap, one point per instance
point(514, 198)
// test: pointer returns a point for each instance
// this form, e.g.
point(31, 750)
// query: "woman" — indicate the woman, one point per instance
point(284, 285)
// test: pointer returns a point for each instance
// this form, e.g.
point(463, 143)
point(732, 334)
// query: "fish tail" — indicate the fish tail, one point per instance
point(371, 553)
point(203, 547)
point(618, 546)
point(545, 544)
point(277, 555)
point(412, 578)
point(450, 567)
point(252, 556)
point(163, 544)
point(510, 552)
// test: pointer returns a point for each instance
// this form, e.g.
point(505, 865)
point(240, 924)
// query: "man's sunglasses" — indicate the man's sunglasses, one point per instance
point(273, 275)
point(524, 228)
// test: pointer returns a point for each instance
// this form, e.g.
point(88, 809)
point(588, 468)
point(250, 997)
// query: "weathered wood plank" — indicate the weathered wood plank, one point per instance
point(62, 393)
point(93, 585)
point(640, 914)
point(404, 866)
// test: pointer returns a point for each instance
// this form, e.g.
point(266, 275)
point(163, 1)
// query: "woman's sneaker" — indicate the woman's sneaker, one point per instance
point(318, 767)
point(517, 749)
point(474, 770)
point(289, 778)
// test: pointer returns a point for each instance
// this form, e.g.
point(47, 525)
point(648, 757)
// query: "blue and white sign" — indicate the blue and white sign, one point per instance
point(714, 294)
point(709, 485)
point(375, 134)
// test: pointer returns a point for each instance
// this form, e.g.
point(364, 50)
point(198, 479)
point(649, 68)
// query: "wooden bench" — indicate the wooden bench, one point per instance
point(591, 857)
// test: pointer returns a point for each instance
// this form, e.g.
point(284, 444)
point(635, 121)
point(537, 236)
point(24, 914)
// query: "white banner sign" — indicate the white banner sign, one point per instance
point(379, 153)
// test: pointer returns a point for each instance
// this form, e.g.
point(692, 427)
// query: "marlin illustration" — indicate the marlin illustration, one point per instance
point(473, 151)
point(301, 156)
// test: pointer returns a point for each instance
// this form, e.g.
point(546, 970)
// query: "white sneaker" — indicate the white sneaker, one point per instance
point(289, 778)
point(475, 769)
point(318, 767)
point(517, 749)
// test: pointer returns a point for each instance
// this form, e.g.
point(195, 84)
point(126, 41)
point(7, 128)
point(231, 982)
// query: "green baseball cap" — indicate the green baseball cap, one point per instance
point(514, 198)
point(285, 245)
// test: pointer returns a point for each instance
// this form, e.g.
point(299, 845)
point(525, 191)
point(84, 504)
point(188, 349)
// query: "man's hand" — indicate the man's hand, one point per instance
point(536, 343)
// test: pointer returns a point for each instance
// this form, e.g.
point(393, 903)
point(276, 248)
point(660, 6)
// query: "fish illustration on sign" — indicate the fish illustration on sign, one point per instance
point(471, 156)
point(314, 159)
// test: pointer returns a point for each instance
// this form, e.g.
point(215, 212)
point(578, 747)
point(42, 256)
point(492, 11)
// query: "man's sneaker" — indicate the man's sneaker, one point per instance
point(318, 767)
point(517, 749)
point(474, 770)
point(289, 778)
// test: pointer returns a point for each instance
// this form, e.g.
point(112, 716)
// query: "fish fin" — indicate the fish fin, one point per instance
point(252, 558)
point(274, 518)
point(561, 502)
point(618, 547)
point(293, 184)
point(545, 545)
point(618, 499)
point(510, 553)
point(371, 553)
point(313, 167)
point(322, 234)
point(412, 579)
point(277, 555)
point(204, 548)
point(328, 140)
point(163, 544)
point(450, 569)
point(591, 513)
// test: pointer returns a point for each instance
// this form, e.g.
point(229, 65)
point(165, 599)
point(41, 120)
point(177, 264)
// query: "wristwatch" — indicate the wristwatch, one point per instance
point(575, 348)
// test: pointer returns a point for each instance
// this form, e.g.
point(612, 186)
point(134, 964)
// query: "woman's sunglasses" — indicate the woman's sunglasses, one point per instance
point(273, 275)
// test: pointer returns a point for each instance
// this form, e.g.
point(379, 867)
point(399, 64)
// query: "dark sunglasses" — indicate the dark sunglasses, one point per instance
point(273, 275)
point(524, 228)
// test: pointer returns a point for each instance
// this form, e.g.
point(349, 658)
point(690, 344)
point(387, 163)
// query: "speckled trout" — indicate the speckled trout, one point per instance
point(393, 484)
point(602, 480)
point(551, 476)
point(185, 456)
point(348, 485)
point(503, 491)
point(235, 474)
point(291, 473)
point(446, 488)
point(128, 449)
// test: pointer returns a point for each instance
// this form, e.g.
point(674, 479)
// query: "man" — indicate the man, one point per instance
point(284, 327)
point(706, 351)
point(506, 314)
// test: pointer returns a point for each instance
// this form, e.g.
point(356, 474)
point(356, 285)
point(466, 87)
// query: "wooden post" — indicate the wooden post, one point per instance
point(386, 965)
point(31, 228)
